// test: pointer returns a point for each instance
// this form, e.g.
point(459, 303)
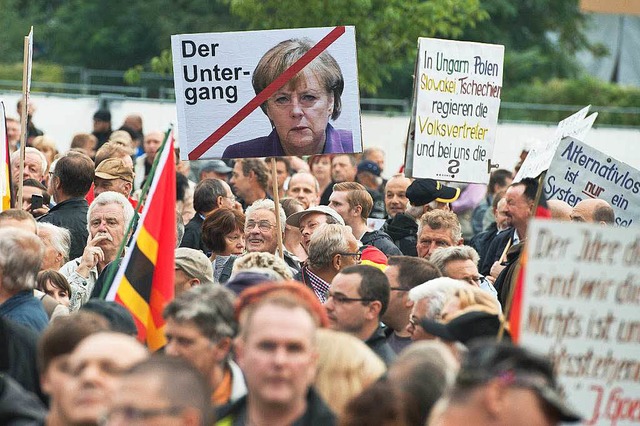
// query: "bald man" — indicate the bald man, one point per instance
point(560, 210)
point(593, 210)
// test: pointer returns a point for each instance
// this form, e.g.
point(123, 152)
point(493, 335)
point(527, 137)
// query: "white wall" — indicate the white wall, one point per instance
point(62, 117)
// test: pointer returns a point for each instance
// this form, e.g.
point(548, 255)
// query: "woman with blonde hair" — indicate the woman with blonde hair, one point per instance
point(346, 365)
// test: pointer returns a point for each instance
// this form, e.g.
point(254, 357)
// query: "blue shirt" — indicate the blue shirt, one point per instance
point(25, 309)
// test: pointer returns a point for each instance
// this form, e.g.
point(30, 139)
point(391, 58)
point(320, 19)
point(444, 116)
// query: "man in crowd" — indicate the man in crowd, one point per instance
point(403, 273)
point(332, 248)
point(310, 220)
point(200, 328)
point(401, 227)
point(13, 133)
point(209, 195)
point(151, 145)
point(352, 201)
point(461, 263)
point(376, 155)
point(358, 297)
point(481, 242)
point(368, 175)
point(35, 165)
point(69, 185)
point(283, 172)
point(57, 242)
point(499, 180)
point(192, 268)
point(250, 180)
point(109, 216)
point(304, 187)
point(214, 169)
point(18, 219)
point(102, 126)
point(343, 169)
point(113, 174)
point(593, 210)
point(21, 253)
point(168, 390)
point(93, 373)
point(30, 188)
point(438, 228)
point(501, 384)
point(277, 353)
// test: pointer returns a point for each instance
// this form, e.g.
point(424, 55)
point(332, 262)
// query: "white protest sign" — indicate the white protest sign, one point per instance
point(539, 158)
point(580, 306)
point(580, 172)
point(305, 80)
point(457, 97)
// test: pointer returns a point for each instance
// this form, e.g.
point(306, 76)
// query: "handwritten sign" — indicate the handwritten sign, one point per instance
point(579, 172)
point(539, 158)
point(580, 306)
point(221, 102)
point(457, 99)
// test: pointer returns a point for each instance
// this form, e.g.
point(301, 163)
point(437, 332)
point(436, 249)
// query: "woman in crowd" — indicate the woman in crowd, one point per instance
point(223, 234)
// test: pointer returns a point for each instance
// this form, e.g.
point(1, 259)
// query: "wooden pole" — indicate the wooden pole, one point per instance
point(23, 118)
point(276, 201)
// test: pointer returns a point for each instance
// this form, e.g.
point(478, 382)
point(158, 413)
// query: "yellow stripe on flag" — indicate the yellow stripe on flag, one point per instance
point(133, 301)
point(147, 245)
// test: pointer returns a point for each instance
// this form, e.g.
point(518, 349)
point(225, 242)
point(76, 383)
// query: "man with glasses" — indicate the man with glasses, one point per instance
point(358, 297)
point(332, 248)
point(404, 273)
point(310, 220)
point(161, 390)
point(461, 263)
point(209, 195)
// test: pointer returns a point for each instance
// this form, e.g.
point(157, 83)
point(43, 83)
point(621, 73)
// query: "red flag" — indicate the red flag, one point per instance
point(144, 283)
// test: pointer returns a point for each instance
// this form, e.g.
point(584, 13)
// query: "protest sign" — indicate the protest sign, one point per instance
point(5, 169)
point(235, 95)
point(539, 158)
point(580, 307)
point(456, 101)
point(579, 172)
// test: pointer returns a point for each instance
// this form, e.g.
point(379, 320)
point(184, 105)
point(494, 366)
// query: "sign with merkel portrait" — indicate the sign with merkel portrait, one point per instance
point(456, 102)
point(267, 93)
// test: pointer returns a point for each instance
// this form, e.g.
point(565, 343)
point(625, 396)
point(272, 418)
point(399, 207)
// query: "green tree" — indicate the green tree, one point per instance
point(386, 30)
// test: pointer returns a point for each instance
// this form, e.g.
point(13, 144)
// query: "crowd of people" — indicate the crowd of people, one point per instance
point(383, 306)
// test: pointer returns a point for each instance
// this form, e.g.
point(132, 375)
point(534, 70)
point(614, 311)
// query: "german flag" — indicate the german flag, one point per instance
point(5, 166)
point(144, 283)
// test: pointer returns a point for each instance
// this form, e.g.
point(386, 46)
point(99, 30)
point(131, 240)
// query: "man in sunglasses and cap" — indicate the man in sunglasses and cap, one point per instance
point(502, 384)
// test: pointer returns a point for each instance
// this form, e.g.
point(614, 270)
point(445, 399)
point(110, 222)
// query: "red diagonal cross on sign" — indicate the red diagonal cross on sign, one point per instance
point(261, 97)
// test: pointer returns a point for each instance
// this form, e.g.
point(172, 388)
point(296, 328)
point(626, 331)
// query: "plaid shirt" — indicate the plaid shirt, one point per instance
point(317, 284)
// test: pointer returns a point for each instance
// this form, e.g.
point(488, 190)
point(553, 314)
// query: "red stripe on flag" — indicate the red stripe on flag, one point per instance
point(261, 97)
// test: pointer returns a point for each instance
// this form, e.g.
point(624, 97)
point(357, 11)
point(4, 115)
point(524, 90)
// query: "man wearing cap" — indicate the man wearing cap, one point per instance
point(215, 169)
point(431, 194)
point(368, 174)
point(331, 249)
point(502, 384)
point(401, 226)
point(192, 268)
point(304, 187)
point(438, 228)
point(352, 201)
point(113, 174)
point(310, 220)
point(200, 328)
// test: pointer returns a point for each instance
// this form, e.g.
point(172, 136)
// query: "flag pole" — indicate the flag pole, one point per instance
point(276, 202)
point(143, 195)
point(23, 118)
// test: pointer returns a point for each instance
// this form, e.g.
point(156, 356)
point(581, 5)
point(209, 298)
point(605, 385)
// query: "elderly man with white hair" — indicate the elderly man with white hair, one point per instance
point(107, 221)
point(35, 165)
point(57, 242)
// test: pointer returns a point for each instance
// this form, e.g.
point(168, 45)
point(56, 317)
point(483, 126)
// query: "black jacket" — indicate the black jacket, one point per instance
point(495, 249)
point(403, 230)
point(380, 240)
point(318, 413)
point(19, 407)
point(71, 214)
point(193, 235)
point(377, 342)
point(482, 240)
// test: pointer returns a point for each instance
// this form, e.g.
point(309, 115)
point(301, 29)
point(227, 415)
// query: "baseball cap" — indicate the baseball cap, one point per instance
point(294, 219)
point(516, 366)
point(424, 191)
point(369, 166)
point(114, 168)
point(119, 318)
point(217, 166)
point(468, 326)
point(195, 264)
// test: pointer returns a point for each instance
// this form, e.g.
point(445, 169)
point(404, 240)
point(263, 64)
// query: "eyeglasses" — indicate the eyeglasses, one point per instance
point(357, 256)
point(340, 298)
point(398, 289)
point(263, 225)
point(132, 414)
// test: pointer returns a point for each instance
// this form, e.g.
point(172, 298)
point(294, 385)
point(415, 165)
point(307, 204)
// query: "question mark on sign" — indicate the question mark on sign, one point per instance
point(454, 167)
